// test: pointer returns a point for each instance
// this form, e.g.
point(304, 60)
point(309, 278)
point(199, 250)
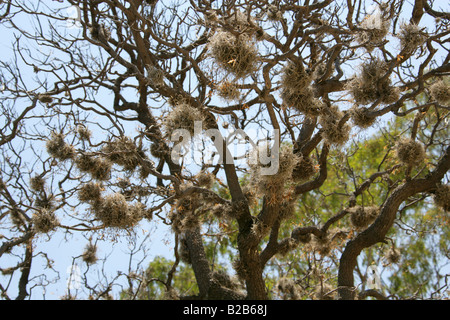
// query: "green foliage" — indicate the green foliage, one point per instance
point(152, 281)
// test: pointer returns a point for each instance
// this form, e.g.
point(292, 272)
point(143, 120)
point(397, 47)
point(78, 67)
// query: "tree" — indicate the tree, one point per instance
point(133, 111)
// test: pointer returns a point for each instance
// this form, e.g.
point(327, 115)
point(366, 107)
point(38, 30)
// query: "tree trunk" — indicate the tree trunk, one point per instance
point(23, 282)
point(199, 261)
point(250, 262)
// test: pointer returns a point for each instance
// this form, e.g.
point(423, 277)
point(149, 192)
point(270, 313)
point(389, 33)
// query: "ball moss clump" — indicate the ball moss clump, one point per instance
point(84, 133)
point(274, 13)
point(102, 169)
point(58, 148)
point(286, 161)
point(361, 217)
point(89, 255)
point(37, 183)
point(155, 76)
point(303, 170)
point(286, 209)
point(228, 91)
point(372, 84)
point(302, 100)
point(442, 197)
point(205, 179)
point(124, 152)
point(259, 229)
point(281, 163)
point(375, 28)
point(296, 90)
point(286, 246)
point(84, 162)
point(411, 37)
point(393, 256)
point(138, 211)
point(100, 32)
point(183, 116)
point(114, 211)
point(44, 201)
point(249, 194)
point(223, 211)
point(440, 91)
point(189, 221)
point(235, 54)
point(16, 217)
point(410, 152)
point(288, 289)
point(91, 191)
point(98, 167)
point(323, 244)
point(361, 117)
point(333, 130)
point(187, 203)
point(44, 221)
point(295, 77)
point(43, 98)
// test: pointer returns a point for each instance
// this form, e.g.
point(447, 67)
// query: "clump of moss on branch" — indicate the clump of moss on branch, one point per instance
point(183, 116)
point(335, 130)
point(89, 255)
point(361, 217)
point(373, 83)
point(442, 196)
point(84, 133)
point(228, 91)
point(205, 179)
point(58, 148)
point(235, 54)
point(374, 29)
point(361, 117)
point(393, 255)
point(410, 152)
point(296, 90)
point(303, 170)
point(440, 91)
point(91, 191)
point(98, 167)
point(114, 211)
point(37, 183)
point(124, 152)
point(288, 289)
point(44, 221)
point(411, 37)
point(281, 163)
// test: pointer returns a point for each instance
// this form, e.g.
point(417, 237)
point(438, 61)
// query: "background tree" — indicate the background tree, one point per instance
point(91, 102)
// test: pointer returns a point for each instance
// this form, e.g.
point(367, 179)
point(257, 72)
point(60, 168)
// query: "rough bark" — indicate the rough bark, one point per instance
point(208, 287)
